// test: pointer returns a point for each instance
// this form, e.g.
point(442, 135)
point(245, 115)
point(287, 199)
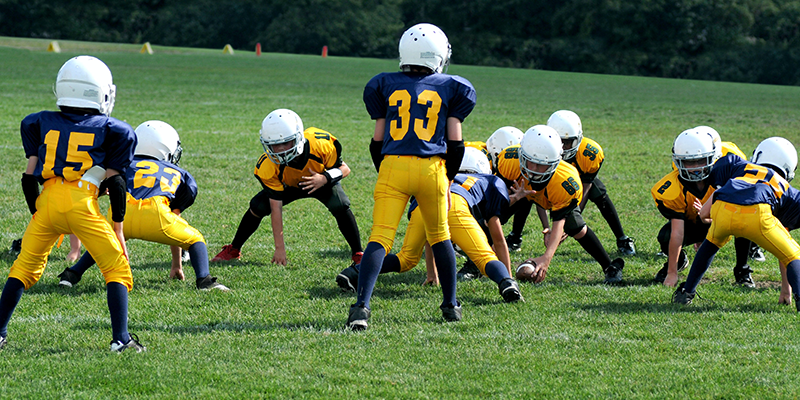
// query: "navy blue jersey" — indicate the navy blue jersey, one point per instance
point(416, 108)
point(744, 183)
point(486, 195)
point(68, 144)
point(788, 211)
point(148, 177)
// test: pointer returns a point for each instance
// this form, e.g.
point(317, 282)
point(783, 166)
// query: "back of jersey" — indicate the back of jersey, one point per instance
point(416, 108)
point(149, 177)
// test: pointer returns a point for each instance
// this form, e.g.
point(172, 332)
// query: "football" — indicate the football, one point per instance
point(527, 270)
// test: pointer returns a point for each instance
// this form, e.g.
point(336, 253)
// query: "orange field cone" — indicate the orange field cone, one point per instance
point(258, 49)
point(324, 51)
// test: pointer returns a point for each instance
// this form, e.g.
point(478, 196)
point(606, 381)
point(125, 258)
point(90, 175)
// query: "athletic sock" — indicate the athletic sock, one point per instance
point(702, 260)
point(246, 229)
point(742, 247)
point(12, 292)
point(117, 295)
point(792, 275)
point(521, 216)
point(496, 271)
point(592, 245)
point(198, 254)
point(446, 267)
point(391, 263)
point(368, 272)
point(609, 213)
point(349, 228)
point(84, 263)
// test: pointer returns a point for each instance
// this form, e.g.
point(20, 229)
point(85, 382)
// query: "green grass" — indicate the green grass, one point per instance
point(279, 333)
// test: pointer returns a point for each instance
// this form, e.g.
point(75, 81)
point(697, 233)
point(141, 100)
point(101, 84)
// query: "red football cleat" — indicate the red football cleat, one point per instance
point(357, 257)
point(228, 253)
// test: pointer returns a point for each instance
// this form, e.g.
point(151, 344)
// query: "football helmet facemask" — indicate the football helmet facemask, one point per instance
point(570, 130)
point(280, 128)
point(500, 139)
point(425, 45)
point(540, 145)
point(159, 140)
point(474, 162)
point(777, 152)
point(85, 82)
point(694, 153)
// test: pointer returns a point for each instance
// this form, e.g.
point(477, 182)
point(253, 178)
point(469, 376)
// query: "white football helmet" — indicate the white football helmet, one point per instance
point(425, 45)
point(714, 136)
point(474, 162)
point(279, 127)
point(570, 130)
point(159, 140)
point(779, 153)
point(540, 145)
point(85, 82)
point(500, 139)
point(694, 153)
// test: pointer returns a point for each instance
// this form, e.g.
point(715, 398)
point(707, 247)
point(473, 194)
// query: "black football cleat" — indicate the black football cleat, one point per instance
point(3, 342)
point(210, 283)
point(681, 296)
point(133, 344)
point(625, 246)
point(358, 317)
point(468, 271)
point(514, 242)
point(348, 278)
point(661, 275)
point(509, 289)
point(743, 276)
point(614, 272)
point(451, 313)
point(68, 278)
point(755, 253)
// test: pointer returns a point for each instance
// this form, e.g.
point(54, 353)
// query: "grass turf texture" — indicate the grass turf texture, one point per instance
point(279, 333)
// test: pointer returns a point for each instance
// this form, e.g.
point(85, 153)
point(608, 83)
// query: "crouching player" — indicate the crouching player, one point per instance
point(555, 185)
point(71, 152)
point(476, 201)
point(755, 201)
point(296, 164)
point(158, 191)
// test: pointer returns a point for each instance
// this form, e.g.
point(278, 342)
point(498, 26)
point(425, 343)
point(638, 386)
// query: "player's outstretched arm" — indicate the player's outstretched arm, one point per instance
point(500, 245)
point(117, 193)
point(786, 289)
point(431, 274)
point(674, 250)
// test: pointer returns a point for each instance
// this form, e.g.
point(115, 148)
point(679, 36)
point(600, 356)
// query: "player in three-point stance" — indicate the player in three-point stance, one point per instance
point(296, 164)
point(417, 148)
point(755, 201)
point(554, 185)
point(71, 152)
point(158, 192)
point(679, 196)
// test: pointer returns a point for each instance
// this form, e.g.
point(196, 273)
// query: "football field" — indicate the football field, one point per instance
point(280, 332)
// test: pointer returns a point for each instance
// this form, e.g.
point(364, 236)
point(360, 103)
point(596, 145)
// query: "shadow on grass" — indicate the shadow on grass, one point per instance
point(665, 306)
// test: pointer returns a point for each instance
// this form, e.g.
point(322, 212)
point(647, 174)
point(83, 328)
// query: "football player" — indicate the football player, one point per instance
point(679, 196)
point(723, 149)
point(554, 185)
point(71, 152)
point(477, 203)
point(755, 201)
point(417, 148)
point(587, 157)
point(296, 164)
point(158, 192)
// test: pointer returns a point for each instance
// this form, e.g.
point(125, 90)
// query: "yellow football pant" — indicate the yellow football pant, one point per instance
point(754, 222)
point(400, 178)
point(464, 229)
point(66, 207)
point(151, 219)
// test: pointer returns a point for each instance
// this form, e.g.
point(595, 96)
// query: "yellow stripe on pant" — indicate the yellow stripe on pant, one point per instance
point(464, 230)
point(754, 222)
point(70, 207)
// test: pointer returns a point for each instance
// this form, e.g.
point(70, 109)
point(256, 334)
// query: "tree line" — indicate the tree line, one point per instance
point(733, 40)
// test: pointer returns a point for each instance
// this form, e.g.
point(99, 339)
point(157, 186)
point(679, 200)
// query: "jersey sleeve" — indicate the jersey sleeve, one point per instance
point(497, 200)
point(266, 173)
point(508, 164)
point(373, 99)
point(186, 193)
point(590, 158)
point(464, 101)
point(119, 145)
point(31, 136)
point(669, 197)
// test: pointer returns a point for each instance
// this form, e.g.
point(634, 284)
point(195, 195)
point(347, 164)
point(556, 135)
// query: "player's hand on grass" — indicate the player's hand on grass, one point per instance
point(671, 280)
point(279, 257)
